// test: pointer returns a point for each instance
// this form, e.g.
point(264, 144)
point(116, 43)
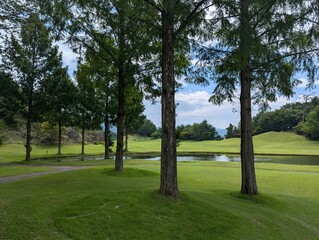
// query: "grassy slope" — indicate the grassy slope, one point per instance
point(100, 204)
point(268, 143)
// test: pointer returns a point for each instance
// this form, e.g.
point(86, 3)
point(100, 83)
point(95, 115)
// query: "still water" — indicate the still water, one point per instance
point(300, 160)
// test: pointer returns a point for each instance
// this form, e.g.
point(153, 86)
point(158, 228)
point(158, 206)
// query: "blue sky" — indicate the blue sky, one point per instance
point(193, 105)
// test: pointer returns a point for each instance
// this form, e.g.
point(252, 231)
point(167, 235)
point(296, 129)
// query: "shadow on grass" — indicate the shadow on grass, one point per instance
point(261, 199)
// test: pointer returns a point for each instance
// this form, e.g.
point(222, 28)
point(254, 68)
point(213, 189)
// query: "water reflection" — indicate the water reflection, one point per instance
point(300, 160)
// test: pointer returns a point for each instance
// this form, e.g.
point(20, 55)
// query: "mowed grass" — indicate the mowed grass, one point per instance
point(98, 203)
point(6, 171)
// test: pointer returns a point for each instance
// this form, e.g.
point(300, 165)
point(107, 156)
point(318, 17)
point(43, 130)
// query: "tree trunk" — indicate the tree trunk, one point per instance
point(126, 140)
point(121, 97)
point(29, 119)
point(120, 120)
point(83, 137)
point(249, 184)
point(60, 134)
point(168, 183)
point(106, 137)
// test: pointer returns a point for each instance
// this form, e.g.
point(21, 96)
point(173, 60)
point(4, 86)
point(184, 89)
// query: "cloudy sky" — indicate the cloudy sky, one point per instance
point(192, 100)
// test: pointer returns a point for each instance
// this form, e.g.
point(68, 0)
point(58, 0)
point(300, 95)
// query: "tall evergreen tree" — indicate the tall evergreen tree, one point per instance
point(31, 59)
point(58, 95)
point(112, 26)
point(261, 45)
point(177, 20)
point(89, 108)
point(104, 77)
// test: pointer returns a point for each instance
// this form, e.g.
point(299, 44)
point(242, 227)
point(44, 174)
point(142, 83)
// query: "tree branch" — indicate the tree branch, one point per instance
point(154, 5)
point(285, 56)
point(194, 13)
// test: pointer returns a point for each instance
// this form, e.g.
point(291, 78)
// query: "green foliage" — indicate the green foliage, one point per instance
point(310, 127)
point(89, 108)
point(232, 132)
point(272, 62)
point(147, 128)
point(157, 134)
point(278, 120)
point(289, 117)
point(198, 132)
point(10, 99)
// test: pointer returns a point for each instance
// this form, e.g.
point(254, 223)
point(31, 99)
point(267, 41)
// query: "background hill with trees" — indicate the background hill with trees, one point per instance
point(301, 118)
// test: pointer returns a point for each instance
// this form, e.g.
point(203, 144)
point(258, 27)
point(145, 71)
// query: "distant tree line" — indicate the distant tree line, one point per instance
point(301, 118)
point(196, 131)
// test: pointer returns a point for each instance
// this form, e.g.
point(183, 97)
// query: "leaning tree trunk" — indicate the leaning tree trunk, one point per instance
point(29, 119)
point(249, 184)
point(120, 121)
point(168, 184)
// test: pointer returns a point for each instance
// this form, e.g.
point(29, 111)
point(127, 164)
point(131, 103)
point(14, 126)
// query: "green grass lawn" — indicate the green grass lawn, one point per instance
point(98, 203)
point(6, 171)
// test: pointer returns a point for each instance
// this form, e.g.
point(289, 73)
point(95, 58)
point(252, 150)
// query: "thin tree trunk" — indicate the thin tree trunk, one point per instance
point(168, 182)
point(120, 121)
point(249, 184)
point(126, 140)
point(83, 137)
point(106, 137)
point(29, 119)
point(60, 134)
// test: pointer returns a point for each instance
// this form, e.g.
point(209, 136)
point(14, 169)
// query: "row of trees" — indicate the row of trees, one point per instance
point(36, 85)
point(257, 45)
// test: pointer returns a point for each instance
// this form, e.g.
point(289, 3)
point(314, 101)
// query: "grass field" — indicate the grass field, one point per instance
point(101, 204)
point(97, 203)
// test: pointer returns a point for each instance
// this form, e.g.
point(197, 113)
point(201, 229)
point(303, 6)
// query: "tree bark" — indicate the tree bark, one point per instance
point(60, 134)
point(29, 119)
point(106, 137)
point(83, 137)
point(121, 97)
point(126, 140)
point(120, 120)
point(249, 184)
point(168, 182)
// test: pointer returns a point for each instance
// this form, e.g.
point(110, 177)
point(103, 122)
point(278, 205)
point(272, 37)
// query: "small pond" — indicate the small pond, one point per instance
point(300, 160)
